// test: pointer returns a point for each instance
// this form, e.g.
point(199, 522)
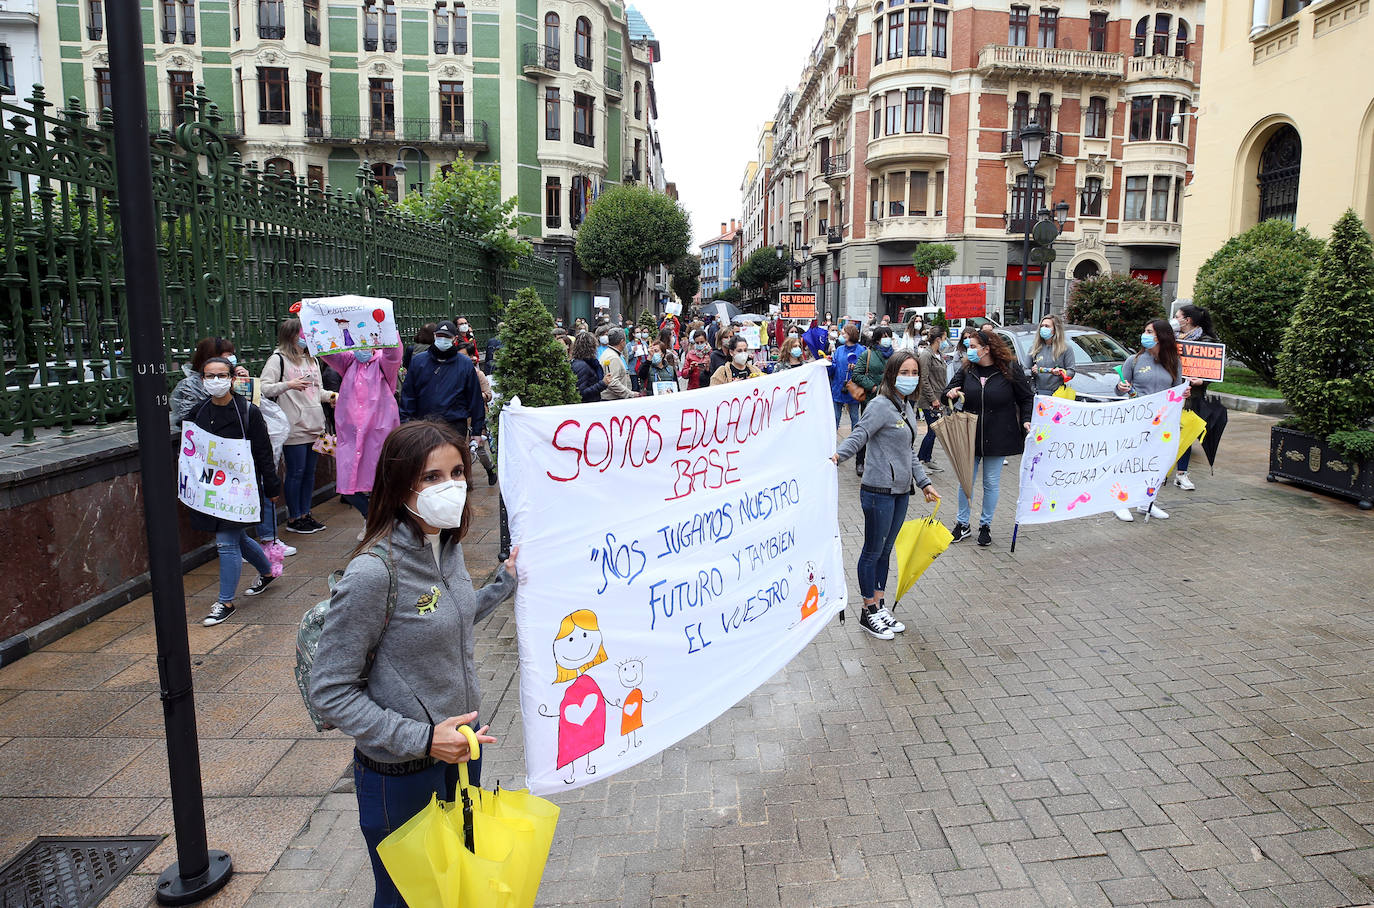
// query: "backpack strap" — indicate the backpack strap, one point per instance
point(392, 593)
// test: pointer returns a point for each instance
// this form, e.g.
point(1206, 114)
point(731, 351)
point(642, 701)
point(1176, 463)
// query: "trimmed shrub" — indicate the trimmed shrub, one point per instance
point(1118, 305)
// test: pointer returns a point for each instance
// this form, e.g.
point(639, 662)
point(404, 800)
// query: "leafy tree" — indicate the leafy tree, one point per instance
point(467, 197)
point(731, 294)
point(531, 363)
point(763, 267)
point(629, 230)
point(1251, 284)
point(928, 259)
point(1326, 367)
point(686, 278)
point(1118, 305)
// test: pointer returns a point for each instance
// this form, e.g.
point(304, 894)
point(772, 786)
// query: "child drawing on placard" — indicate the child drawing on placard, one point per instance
point(343, 324)
point(578, 647)
point(631, 673)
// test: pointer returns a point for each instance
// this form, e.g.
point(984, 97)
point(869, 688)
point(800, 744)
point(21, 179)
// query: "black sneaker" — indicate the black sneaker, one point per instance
point(961, 532)
point(219, 613)
point(312, 522)
point(302, 525)
point(984, 535)
point(262, 583)
point(491, 477)
point(875, 625)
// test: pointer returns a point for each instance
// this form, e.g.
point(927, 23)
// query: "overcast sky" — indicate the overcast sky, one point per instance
point(725, 66)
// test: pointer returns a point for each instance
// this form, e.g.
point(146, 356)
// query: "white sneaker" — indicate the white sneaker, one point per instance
point(286, 550)
point(1184, 483)
point(892, 623)
point(1156, 512)
point(1124, 514)
point(875, 625)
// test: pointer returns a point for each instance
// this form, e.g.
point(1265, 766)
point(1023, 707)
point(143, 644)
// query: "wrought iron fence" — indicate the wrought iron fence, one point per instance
point(237, 246)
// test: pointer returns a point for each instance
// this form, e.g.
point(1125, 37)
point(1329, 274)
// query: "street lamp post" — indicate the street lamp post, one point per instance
point(1061, 215)
point(1032, 138)
point(399, 168)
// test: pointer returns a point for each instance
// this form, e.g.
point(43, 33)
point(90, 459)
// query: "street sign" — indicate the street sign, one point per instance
point(1044, 233)
point(797, 284)
point(1041, 255)
point(797, 305)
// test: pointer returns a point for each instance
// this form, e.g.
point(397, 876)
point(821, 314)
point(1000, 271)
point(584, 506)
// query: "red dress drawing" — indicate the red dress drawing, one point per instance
point(632, 713)
point(581, 720)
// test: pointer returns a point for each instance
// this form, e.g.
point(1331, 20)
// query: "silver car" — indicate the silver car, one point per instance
point(1095, 358)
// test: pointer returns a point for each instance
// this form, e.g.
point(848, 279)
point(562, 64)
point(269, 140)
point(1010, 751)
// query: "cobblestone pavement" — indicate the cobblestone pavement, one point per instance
point(1117, 714)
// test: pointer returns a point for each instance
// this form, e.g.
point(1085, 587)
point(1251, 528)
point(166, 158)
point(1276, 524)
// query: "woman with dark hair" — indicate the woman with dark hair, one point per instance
point(419, 662)
point(292, 378)
point(887, 430)
point(696, 360)
point(591, 377)
point(1050, 361)
point(1191, 323)
point(1153, 369)
point(189, 393)
point(868, 374)
point(843, 363)
point(229, 415)
point(657, 374)
point(992, 384)
point(738, 367)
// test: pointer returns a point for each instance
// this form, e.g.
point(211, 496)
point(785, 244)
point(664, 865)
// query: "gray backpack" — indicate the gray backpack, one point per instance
point(312, 625)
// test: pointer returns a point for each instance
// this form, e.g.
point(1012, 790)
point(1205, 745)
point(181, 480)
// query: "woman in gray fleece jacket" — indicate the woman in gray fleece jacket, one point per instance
point(888, 430)
point(401, 687)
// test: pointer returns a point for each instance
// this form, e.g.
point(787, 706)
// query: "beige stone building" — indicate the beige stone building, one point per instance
point(1286, 123)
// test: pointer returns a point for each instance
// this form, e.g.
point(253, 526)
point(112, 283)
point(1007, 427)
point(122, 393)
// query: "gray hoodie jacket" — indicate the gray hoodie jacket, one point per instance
point(891, 463)
point(425, 669)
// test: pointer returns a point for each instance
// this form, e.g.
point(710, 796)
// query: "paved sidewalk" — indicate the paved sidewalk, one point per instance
point(1117, 714)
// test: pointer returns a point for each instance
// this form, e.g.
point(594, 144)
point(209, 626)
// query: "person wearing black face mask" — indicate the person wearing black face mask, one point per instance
point(443, 385)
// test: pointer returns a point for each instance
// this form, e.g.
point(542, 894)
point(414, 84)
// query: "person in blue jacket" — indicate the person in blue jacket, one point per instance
point(843, 363)
point(443, 385)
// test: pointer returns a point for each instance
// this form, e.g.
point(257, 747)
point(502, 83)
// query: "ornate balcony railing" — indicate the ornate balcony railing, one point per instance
point(1054, 143)
point(542, 56)
point(464, 133)
point(1051, 61)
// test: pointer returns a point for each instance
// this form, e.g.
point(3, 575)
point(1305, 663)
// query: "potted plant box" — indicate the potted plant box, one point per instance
point(1311, 462)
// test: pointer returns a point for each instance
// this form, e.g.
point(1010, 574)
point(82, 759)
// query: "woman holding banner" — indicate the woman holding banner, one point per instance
point(228, 415)
point(738, 368)
point(1155, 368)
point(887, 430)
point(991, 384)
point(1050, 361)
point(1191, 323)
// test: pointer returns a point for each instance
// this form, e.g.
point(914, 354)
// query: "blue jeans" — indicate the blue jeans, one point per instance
point(359, 500)
point(267, 529)
point(928, 443)
point(300, 478)
point(853, 406)
point(1185, 460)
point(883, 518)
point(385, 803)
point(992, 487)
point(234, 545)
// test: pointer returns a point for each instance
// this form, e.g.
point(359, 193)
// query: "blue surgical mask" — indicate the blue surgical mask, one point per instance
point(233, 360)
point(973, 356)
point(906, 384)
point(362, 356)
point(300, 342)
point(443, 344)
point(944, 345)
point(658, 359)
point(1046, 333)
point(964, 341)
point(1147, 341)
point(886, 343)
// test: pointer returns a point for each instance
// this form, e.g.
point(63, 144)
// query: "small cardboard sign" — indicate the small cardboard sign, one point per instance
point(1201, 359)
point(966, 300)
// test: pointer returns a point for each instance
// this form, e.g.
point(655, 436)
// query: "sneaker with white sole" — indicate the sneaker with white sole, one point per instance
point(286, 550)
point(886, 617)
point(875, 625)
point(1184, 483)
point(931, 466)
point(262, 583)
point(1156, 512)
point(1124, 514)
point(219, 613)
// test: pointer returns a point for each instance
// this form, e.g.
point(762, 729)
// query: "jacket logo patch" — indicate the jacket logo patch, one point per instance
point(426, 603)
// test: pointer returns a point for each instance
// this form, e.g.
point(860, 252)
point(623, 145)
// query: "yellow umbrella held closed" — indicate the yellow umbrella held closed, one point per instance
point(918, 544)
point(1191, 428)
point(422, 858)
point(1066, 392)
point(957, 432)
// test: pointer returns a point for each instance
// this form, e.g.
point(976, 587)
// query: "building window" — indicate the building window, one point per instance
point(1095, 122)
point(577, 199)
point(582, 43)
point(312, 22)
point(460, 29)
point(1181, 40)
point(939, 33)
point(95, 19)
point(1178, 200)
point(7, 70)
point(280, 166)
point(314, 176)
point(639, 101)
point(1097, 31)
point(877, 39)
point(1019, 26)
point(179, 84)
point(1020, 203)
point(551, 40)
point(1164, 115)
point(937, 111)
point(272, 19)
point(1020, 112)
point(1090, 202)
point(441, 38)
point(918, 186)
point(1048, 35)
point(1161, 42)
point(371, 28)
point(915, 109)
point(584, 119)
point(382, 107)
point(1044, 112)
point(274, 95)
point(314, 104)
point(104, 91)
point(1293, 7)
point(917, 38)
point(451, 109)
point(389, 27)
point(188, 21)
point(1134, 209)
point(553, 202)
point(894, 113)
point(1142, 110)
point(635, 170)
point(875, 109)
point(169, 21)
point(1280, 167)
point(553, 117)
point(1159, 198)
point(1142, 31)
point(894, 35)
point(385, 176)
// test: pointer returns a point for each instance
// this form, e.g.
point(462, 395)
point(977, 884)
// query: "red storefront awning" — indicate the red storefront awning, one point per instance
point(902, 279)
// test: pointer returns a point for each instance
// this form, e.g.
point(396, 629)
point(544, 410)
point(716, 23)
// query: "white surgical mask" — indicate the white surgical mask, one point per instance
point(217, 387)
point(741, 358)
point(886, 343)
point(1173, 323)
point(443, 343)
point(464, 329)
point(441, 506)
point(605, 341)
point(233, 360)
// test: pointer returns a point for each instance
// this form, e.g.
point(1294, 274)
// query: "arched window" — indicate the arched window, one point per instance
point(1280, 166)
point(1086, 269)
point(386, 178)
point(639, 103)
point(582, 46)
point(551, 31)
point(1142, 30)
point(281, 166)
point(1181, 41)
point(1161, 44)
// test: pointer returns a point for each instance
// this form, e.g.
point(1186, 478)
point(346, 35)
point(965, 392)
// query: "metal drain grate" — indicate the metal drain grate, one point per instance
point(70, 871)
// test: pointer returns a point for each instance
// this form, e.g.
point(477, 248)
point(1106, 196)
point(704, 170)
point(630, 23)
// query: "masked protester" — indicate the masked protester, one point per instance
point(657, 370)
point(696, 361)
point(420, 664)
point(591, 377)
point(442, 383)
point(1191, 323)
point(291, 377)
point(1153, 369)
point(1050, 361)
point(365, 414)
point(738, 368)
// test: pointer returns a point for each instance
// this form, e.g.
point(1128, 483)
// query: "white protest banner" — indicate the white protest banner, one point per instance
point(1085, 458)
point(216, 475)
point(338, 324)
point(675, 552)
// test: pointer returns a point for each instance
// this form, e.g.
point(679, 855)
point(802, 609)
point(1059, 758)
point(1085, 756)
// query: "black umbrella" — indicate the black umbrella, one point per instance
point(1216, 417)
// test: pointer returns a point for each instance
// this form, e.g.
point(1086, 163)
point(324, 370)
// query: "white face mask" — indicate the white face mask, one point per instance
point(741, 358)
point(605, 341)
point(441, 506)
point(217, 387)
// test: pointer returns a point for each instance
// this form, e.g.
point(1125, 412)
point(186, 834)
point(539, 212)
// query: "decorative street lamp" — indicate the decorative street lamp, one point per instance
point(399, 168)
point(794, 263)
point(1032, 138)
point(1061, 215)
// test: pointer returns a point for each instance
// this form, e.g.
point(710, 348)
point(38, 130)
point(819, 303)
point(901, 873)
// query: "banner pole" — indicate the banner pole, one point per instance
point(1015, 528)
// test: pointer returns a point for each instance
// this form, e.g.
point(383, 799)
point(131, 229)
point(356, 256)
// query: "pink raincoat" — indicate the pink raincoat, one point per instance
point(364, 415)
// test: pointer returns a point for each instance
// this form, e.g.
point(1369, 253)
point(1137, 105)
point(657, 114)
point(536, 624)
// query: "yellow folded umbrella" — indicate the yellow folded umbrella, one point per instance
point(1066, 392)
point(1191, 428)
point(918, 544)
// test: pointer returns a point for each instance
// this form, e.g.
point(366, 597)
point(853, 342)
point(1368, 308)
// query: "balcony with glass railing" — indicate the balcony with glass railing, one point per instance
point(615, 82)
